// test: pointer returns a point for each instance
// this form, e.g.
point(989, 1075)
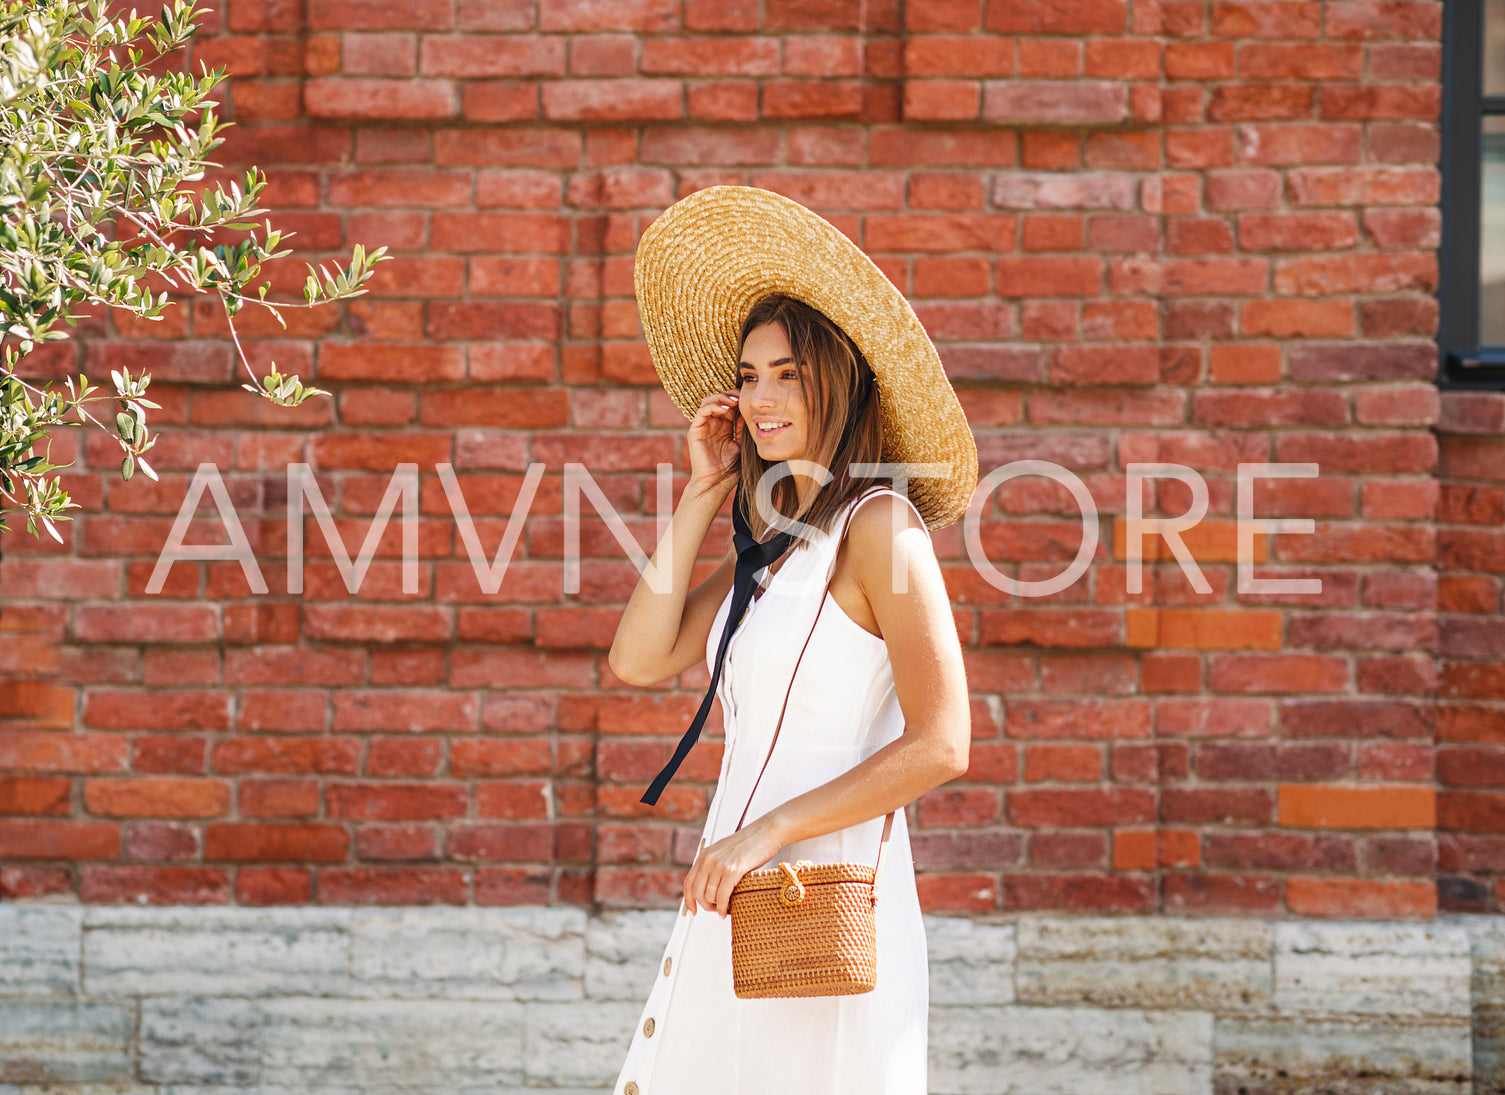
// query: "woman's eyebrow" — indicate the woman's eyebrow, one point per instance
point(771, 364)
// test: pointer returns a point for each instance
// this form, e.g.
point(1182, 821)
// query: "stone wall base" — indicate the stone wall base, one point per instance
point(347, 1001)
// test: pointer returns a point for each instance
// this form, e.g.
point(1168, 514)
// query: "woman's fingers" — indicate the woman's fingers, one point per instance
point(704, 890)
point(701, 882)
point(713, 434)
point(724, 894)
point(700, 885)
point(716, 413)
point(690, 887)
point(719, 868)
point(719, 401)
point(709, 885)
point(715, 408)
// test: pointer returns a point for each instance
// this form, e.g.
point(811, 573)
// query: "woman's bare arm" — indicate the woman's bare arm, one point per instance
point(931, 684)
point(664, 627)
point(664, 632)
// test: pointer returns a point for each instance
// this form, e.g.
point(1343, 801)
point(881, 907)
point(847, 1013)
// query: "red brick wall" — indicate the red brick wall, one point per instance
point(1471, 678)
point(1189, 232)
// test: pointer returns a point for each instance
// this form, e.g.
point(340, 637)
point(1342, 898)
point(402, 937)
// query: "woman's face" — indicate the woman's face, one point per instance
point(770, 400)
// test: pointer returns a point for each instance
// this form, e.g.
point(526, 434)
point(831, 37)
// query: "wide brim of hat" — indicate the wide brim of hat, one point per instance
point(709, 257)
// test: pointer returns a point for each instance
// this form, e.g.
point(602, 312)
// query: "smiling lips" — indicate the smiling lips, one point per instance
point(768, 429)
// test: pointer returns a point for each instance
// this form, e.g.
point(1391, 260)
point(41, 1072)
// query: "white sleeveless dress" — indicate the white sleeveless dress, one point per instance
point(694, 1033)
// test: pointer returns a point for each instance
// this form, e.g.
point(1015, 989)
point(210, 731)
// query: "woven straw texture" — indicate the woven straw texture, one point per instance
point(710, 257)
point(825, 944)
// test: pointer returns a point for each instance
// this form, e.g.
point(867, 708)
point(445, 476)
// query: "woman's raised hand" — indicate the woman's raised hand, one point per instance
point(714, 437)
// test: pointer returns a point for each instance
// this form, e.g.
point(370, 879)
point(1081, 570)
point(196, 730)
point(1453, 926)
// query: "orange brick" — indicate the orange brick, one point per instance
point(1134, 850)
point(1246, 364)
point(1151, 548)
point(1216, 629)
point(36, 795)
point(1142, 627)
point(1360, 897)
point(1325, 806)
point(1209, 541)
point(1216, 541)
point(37, 703)
point(157, 797)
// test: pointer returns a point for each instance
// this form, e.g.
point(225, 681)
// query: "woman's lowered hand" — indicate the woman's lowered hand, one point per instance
point(719, 867)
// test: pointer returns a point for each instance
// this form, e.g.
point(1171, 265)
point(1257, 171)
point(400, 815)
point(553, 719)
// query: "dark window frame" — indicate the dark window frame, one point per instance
point(1462, 363)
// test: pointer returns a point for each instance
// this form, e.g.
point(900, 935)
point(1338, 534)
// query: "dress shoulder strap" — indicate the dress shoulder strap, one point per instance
point(876, 491)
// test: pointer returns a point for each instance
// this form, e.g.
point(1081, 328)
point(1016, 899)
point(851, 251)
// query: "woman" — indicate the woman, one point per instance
point(848, 651)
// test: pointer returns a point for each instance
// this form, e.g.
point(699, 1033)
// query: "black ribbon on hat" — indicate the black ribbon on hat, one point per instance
point(752, 557)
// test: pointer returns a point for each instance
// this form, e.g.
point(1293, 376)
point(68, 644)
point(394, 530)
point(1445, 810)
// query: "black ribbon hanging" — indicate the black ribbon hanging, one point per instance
point(752, 557)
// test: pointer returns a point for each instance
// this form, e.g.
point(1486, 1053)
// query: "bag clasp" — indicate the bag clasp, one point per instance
point(794, 892)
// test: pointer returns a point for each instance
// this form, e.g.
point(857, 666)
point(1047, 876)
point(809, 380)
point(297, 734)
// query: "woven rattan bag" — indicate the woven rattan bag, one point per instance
point(805, 929)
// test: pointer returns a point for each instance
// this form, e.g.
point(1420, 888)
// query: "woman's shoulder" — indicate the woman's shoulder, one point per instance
point(882, 509)
point(876, 518)
point(885, 534)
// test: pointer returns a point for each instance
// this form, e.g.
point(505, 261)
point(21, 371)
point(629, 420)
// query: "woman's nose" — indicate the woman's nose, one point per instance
point(760, 395)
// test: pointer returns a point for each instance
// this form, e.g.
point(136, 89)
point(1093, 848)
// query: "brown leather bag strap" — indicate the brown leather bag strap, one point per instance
point(780, 724)
point(888, 823)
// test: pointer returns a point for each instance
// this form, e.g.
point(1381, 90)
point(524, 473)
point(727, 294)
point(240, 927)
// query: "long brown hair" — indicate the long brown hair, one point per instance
point(846, 422)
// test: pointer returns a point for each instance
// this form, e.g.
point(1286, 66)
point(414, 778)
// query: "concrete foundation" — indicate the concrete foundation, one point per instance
point(460, 1001)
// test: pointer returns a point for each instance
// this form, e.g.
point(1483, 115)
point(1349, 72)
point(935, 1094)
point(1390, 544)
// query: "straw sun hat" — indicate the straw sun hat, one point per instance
point(704, 263)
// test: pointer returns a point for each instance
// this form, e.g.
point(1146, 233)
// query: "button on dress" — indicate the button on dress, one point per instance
point(695, 1034)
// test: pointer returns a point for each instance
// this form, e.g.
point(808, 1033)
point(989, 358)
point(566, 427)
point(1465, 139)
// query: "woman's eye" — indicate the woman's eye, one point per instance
point(743, 379)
